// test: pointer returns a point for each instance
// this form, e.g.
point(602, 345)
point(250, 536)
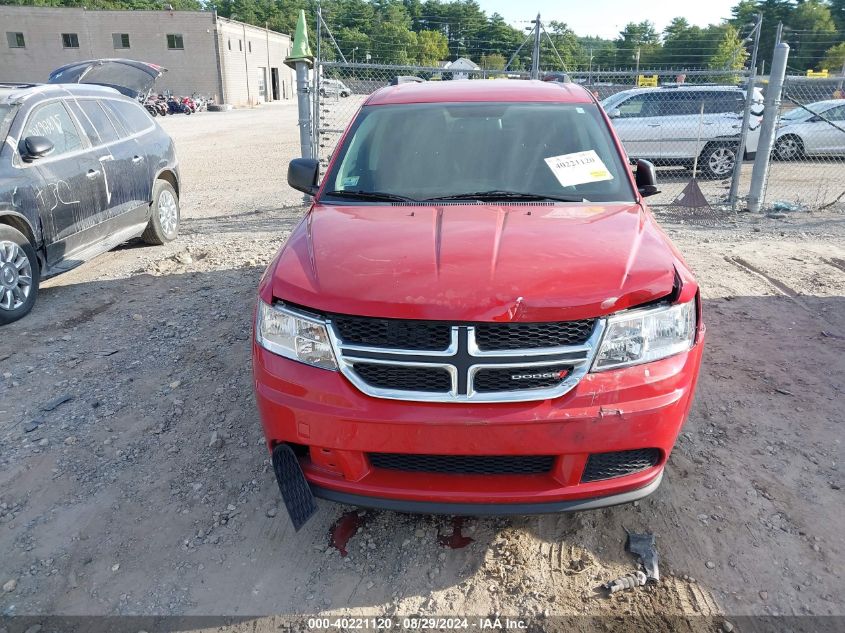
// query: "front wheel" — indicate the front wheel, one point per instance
point(717, 161)
point(19, 275)
point(164, 220)
point(789, 148)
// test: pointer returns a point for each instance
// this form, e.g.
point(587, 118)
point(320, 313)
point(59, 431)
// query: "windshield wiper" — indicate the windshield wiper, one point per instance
point(497, 194)
point(369, 195)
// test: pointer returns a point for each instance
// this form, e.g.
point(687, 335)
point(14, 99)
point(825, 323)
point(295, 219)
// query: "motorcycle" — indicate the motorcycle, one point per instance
point(174, 106)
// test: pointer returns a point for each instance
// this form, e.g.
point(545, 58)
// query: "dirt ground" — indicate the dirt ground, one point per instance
point(134, 480)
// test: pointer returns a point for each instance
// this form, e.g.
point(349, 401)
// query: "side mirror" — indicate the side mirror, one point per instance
point(302, 175)
point(815, 119)
point(646, 178)
point(35, 147)
point(614, 114)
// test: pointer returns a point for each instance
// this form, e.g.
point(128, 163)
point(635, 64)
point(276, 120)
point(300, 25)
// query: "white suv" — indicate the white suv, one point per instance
point(334, 87)
point(673, 125)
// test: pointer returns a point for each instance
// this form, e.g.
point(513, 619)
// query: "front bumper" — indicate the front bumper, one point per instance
point(335, 427)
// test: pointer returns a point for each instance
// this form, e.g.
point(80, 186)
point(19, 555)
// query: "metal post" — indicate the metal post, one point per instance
point(246, 66)
point(777, 75)
point(637, 71)
point(746, 115)
point(535, 55)
point(300, 59)
point(318, 77)
point(268, 74)
point(304, 109)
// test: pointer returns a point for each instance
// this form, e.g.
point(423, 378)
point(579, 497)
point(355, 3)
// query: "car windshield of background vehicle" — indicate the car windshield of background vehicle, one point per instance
point(435, 151)
point(7, 113)
point(797, 114)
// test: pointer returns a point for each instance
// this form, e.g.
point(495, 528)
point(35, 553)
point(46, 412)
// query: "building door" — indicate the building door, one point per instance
point(262, 83)
point(274, 83)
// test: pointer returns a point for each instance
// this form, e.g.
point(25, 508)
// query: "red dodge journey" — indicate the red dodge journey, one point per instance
point(478, 314)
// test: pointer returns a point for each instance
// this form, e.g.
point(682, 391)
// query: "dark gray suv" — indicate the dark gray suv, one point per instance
point(82, 169)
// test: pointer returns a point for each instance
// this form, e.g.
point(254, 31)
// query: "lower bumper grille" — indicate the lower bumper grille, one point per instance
point(609, 465)
point(465, 464)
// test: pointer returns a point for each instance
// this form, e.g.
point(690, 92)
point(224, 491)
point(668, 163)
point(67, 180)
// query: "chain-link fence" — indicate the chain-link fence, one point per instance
point(688, 124)
point(808, 157)
point(340, 89)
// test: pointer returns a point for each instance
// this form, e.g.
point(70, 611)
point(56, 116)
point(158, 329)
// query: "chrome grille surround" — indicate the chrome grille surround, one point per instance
point(463, 359)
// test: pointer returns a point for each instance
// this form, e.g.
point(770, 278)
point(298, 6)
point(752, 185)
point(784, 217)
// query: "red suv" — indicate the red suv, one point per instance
point(478, 314)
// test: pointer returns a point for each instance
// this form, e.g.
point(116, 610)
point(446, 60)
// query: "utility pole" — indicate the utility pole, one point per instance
point(746, 114)
point(777, 75)
point(535, 55)
point(590, 72)
point(637, 71)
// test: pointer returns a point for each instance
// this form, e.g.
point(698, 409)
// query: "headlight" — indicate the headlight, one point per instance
point(644, 336)
point(293, 335)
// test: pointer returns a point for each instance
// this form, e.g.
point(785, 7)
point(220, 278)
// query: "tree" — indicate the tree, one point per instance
point(813, 30)
point(637, 40)
point(730, 55)
point(394, 44)
point(493, 61)
point(837, 12)
point(432, 47)
point(834, 59)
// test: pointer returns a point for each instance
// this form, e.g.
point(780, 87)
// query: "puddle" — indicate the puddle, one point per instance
point(455, 540)
point(344, 529)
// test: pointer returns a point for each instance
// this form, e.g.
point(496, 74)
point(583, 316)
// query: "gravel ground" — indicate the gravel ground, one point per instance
point(134, 480)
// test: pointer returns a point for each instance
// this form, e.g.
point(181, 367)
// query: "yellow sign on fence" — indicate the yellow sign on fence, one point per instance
point(647, 81)
point(820, 73)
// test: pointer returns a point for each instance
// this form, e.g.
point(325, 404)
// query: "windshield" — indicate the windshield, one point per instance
point(797, 114)
point(7, 113)
point(442, 150)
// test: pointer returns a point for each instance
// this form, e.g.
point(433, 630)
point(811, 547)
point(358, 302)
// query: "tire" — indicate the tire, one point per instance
point(164, 216)
point(717, 160)
point(18, 264)
point(789, 147)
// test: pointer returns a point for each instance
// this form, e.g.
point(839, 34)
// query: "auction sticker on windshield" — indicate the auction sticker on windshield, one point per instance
point(578, 168)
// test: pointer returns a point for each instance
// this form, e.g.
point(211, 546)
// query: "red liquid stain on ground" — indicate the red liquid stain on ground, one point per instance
point(455, 540)
point(344, 529)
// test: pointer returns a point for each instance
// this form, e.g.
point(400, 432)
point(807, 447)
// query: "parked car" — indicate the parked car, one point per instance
point(666, 125)
point(82, 169)
point(817, 129)
point(330, 87)
point(478, 314)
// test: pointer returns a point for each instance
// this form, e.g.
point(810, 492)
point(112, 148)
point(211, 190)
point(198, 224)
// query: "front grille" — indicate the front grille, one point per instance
point(465, 464)
point(619, 463)
point(395, 333)
point(427, 379)
point(442, 361)
point(518, 378)
point(509, 336)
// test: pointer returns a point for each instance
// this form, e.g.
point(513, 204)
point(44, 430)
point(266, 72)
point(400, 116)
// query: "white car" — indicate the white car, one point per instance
point(672, 125)
point(817, 129)
point(334, 87)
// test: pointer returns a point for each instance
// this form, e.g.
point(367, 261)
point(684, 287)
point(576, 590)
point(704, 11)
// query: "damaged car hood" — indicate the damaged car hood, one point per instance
point(475, 262)
point(129, 77)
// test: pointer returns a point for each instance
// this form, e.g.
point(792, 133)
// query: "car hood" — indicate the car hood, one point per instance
point(131, 78)
point(474, 262)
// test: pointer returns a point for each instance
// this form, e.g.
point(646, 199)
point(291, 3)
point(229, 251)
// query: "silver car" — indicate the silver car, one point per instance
point(816, 129)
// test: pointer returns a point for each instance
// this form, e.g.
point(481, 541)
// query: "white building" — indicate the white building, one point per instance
point(232, 62)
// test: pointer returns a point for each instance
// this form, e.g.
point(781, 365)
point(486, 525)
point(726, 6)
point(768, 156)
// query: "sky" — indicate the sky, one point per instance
point(606, 18)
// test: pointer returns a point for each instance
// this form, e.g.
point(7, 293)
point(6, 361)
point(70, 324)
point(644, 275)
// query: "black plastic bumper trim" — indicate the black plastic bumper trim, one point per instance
point(486, 509)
